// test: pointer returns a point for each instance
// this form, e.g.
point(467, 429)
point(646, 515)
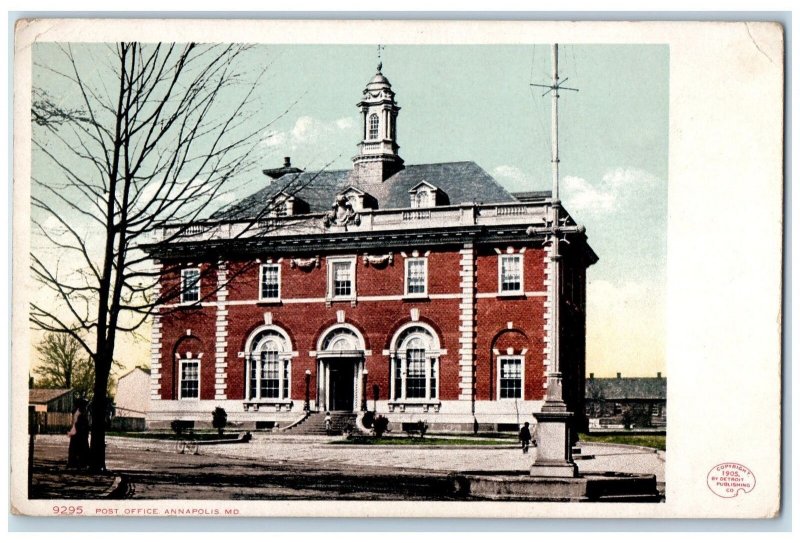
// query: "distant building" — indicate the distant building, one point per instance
point(133, 393)
point(51, 400)
point(626, 402)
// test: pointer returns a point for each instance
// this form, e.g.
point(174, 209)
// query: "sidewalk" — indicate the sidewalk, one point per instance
point(297, 467)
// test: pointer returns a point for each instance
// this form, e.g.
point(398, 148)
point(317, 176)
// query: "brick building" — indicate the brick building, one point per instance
point(419, 290)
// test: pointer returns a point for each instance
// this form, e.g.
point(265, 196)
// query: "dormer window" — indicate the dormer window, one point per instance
point(423, 199)
point(359, 200)
point(373, 127)
point(423, 195)
point(281, 206)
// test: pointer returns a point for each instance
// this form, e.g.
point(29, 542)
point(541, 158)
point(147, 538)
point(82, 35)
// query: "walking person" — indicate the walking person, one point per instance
point(78, 455)
point(525, 437)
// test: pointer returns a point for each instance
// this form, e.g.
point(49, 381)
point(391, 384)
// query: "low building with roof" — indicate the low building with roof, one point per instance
point(626, 402)
point(420, 291)
point(51, 400)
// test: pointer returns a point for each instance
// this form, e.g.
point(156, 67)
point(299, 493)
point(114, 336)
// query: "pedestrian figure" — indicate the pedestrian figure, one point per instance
point(78, 456)
point(328, 422)
point(525, 437)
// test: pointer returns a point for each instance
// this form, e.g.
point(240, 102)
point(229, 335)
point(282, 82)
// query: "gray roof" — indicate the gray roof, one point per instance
point(461, 182)
point(626, 388)
point(46, 395)
point(137, 368)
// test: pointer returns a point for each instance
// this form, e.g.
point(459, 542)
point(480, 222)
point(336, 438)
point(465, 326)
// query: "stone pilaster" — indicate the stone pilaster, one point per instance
point(221, 334)
point(466, 323)
point(548, 310)
point(155, 340)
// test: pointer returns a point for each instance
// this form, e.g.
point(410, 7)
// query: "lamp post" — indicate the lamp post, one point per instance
point(307, 404)
point(364, 391)
point(376, 390)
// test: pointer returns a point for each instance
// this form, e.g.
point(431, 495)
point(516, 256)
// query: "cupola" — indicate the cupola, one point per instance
point(377, 157)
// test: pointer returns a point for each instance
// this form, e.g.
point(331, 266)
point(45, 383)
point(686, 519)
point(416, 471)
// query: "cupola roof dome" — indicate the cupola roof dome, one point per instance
point(379, 81)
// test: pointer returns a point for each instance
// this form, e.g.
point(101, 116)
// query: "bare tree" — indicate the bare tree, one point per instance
point(156, 135)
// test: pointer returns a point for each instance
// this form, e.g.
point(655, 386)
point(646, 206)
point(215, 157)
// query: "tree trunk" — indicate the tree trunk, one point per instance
point(97, 452)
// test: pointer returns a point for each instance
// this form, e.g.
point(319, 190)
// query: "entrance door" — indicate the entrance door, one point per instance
point(341, 383)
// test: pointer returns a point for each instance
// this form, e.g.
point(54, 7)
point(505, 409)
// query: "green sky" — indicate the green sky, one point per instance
point(476, 103)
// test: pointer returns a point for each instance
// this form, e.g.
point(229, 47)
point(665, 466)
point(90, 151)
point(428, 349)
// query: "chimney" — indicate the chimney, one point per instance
point(277, 173)
point(619, 375)
point(658, 375)
point(591, 376)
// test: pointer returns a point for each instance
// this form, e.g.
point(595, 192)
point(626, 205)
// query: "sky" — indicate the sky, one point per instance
point(476, 103)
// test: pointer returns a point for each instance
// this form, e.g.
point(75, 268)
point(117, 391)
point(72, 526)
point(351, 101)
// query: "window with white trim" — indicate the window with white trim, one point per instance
point(510, 377)
point(268, 368)
point(509, 274)
point(423, 198)
point(416, 276)
point(373, 127)
point(270, 282)
point(341, 279)
point(415, 366)
point(190, 285)
point(189, 383)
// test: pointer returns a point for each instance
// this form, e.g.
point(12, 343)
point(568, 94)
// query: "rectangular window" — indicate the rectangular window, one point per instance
point(415, 373)
point(416, 276)
point(270, 375)
point(433, 379)
point(285, 379)
point(270, 282)
point(190, 285)
point(190, 379)
point(398, 379)
point(510, 378)
point(510, 274)
point(341, 278)
point(253, 379)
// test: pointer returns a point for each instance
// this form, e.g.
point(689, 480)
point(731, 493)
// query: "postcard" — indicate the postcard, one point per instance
point(397, 268)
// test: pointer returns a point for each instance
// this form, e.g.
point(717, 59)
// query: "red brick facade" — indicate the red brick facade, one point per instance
point(504, 324)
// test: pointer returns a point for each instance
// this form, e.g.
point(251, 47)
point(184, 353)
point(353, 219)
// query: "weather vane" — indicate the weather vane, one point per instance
point(380, 62)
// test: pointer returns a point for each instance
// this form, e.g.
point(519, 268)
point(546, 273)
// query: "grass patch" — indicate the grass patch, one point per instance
point(653, 441)
point(432, 441)
point(196, 436)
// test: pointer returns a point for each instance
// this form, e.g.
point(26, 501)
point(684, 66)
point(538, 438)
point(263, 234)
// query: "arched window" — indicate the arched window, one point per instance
point(268, 367)
point(373, 127)
point(415, 364)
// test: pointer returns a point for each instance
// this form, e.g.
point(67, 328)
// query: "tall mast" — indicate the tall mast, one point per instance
point(554, 122)
point(554, 399)
point(554, 426)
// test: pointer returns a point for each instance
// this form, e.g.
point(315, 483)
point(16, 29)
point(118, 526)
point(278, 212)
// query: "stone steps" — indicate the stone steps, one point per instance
point(315, 424)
